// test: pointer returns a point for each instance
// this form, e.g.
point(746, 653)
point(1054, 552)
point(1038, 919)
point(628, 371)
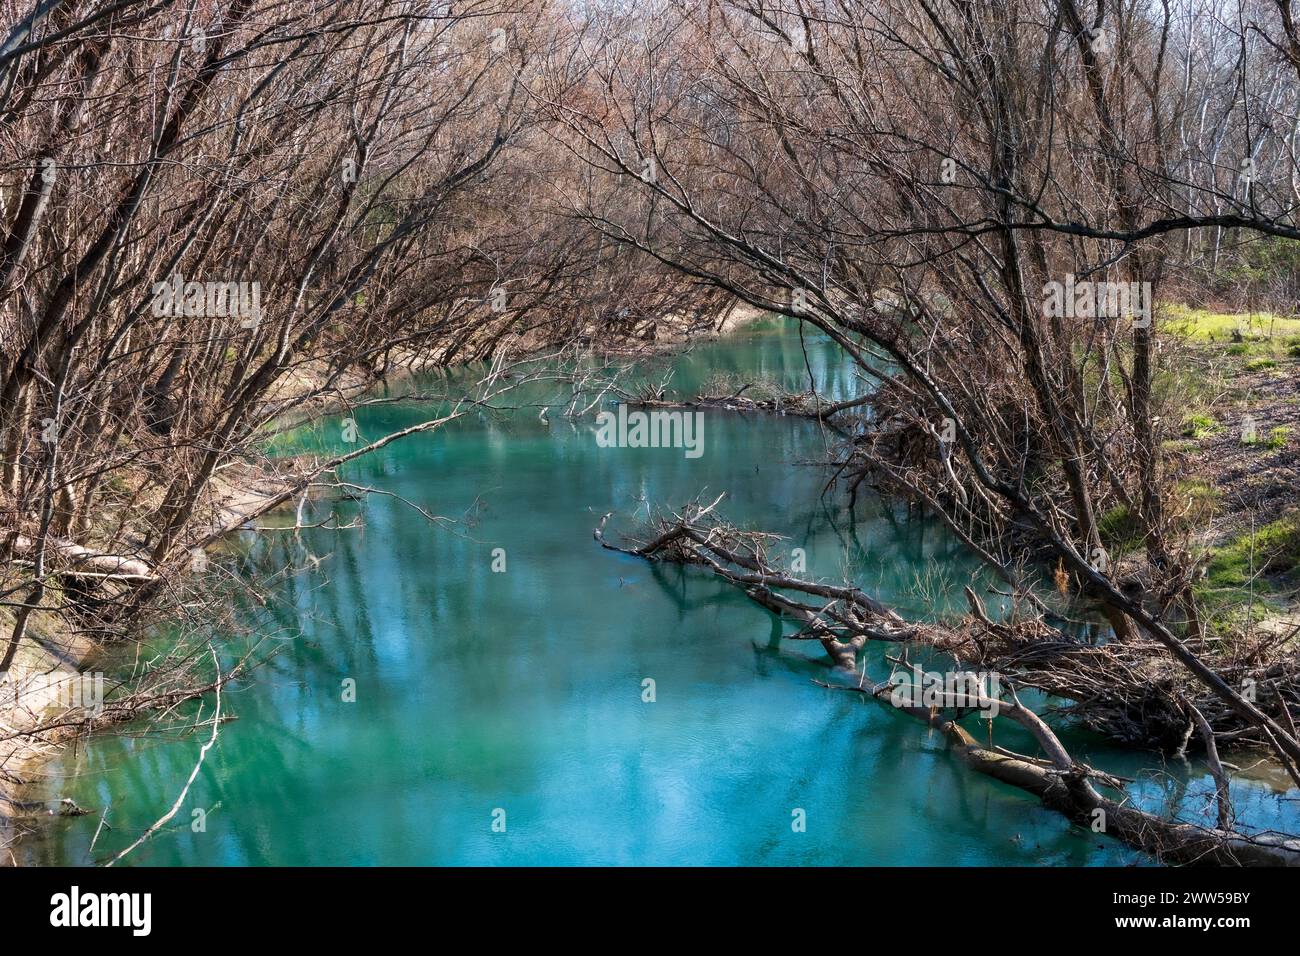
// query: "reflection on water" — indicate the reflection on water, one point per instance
point(521, 691)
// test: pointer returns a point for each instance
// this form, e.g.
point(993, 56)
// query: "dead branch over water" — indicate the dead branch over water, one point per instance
point(922, 183)
point(845, 618)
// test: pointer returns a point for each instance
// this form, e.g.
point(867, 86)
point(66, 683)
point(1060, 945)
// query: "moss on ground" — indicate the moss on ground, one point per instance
point(1247, 578)
point(1200, 425)
point(1271, 551)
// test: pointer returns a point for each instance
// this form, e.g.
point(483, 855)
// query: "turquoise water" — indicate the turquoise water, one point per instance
point(517, 695)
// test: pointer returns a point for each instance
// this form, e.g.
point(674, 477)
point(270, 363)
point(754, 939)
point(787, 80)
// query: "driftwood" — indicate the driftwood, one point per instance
point(792, 404)
point(74, 560)
point(1065, 785)
point(849, 618)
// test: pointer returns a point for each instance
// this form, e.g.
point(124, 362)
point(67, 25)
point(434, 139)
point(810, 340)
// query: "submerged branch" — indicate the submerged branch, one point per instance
point(849, 618)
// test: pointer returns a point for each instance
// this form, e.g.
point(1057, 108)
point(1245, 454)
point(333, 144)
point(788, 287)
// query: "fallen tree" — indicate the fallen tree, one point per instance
point(74, 560)
point(847, 618)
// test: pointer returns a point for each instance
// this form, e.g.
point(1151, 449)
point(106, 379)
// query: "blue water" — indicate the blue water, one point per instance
point(516, 696)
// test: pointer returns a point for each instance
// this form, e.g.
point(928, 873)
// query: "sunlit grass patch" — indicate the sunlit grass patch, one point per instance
point(1259, 364)
point(1214, 326)
point(1262, 339)
point(1200, 425)
point(1278, 437)
point(1193, 502)
point(1247, 578)
point(1272, 549)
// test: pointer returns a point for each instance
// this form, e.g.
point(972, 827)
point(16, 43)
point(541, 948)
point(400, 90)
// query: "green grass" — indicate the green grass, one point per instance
point(1198, 498)
point(1273, 549)
point(1212, 326)
point(1200, 425)
point(1119, 531)
point(1271, 556)
point(1265, 336)
point(1278, 437)
point(1258, 364)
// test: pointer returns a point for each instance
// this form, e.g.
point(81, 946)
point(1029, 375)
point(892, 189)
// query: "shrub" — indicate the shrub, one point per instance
point(1278, 437)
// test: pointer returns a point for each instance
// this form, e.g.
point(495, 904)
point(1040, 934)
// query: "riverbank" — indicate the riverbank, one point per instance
point(412, 615)
point(1238, 446)
point(523, 689)
point(55, 663)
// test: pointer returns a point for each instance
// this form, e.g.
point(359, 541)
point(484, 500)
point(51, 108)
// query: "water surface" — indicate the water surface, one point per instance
point(521, 691)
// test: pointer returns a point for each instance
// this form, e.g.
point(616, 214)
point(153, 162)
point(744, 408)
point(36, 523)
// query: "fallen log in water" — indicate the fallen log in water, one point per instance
point(1065, 785)
point(851, 618)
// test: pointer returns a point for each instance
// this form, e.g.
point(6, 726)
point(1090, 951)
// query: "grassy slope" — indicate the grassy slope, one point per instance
point(1245, 474)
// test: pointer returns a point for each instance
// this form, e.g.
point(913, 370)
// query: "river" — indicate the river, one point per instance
point(499, 715)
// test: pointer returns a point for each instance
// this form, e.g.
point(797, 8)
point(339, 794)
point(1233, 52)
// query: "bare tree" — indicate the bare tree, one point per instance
point(979, 203)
